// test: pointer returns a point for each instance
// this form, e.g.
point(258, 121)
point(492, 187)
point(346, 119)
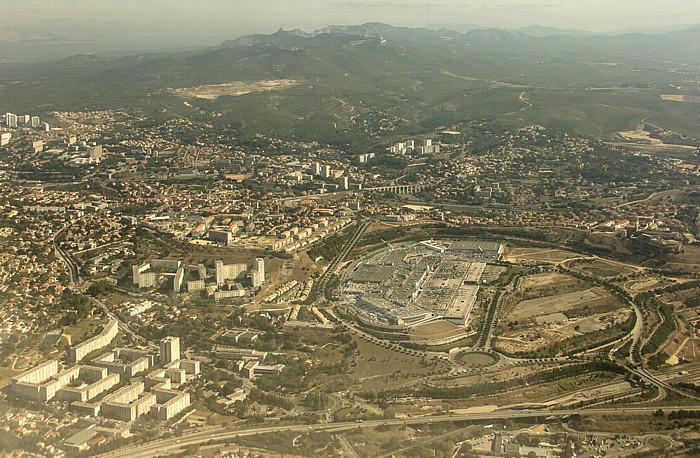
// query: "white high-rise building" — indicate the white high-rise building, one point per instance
point(11, 120)
point(35, 121)
point(255, 279)
point(104, 338)
point(260, 269)
point(179, 278)
point(5, 138)
point(229, 272)
point(169, 349)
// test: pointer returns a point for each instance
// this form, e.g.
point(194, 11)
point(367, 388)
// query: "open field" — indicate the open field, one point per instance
point(540, 255)
point(689, 351)
point(641, 140)
point(546, 334)
point(645, 282)
point(602, 268)
point(688, 260)
point(234, 89)
point(436, 330)
point(558, 303)
point(538, 392)
point(378, 367)
point(488, 375)
point(84, 330)
point(548, 293)
point(384, 440)
point(552, 281)
point(549, 309)
point(6, 375)
point(477, 359)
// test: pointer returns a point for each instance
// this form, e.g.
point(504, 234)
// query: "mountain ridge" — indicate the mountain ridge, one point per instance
point(492, 39)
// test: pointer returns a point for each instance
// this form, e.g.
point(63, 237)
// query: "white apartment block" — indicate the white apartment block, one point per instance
point(101, 340)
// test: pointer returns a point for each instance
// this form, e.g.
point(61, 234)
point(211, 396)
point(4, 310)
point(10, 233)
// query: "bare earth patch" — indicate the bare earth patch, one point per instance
point(540, 255)
point(437, 332)
point(558, 303)
point(553, 280)
point(681, 98)
point(234, 88)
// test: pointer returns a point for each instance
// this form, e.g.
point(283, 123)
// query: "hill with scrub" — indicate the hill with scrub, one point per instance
point(349, 84)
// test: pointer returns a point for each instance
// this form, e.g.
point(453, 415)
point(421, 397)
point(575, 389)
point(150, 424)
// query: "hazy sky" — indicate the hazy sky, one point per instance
point(244, 16)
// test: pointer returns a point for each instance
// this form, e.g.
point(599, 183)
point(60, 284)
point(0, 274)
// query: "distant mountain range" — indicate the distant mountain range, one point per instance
point(57, 41)
point(353, 84)
point(530, 40)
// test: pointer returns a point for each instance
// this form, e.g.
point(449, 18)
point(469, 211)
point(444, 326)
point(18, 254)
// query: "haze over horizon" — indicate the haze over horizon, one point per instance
point(37, 30)
point(162, 17)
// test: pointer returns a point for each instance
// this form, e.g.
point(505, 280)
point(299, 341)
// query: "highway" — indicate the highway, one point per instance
point(168, 447)
point(484, 341)
point(122, 326)
point(664, 387)
point(72, 267)
point(75, 280)
point(320, 285)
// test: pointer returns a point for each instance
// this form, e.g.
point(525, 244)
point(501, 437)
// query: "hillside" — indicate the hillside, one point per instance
point(347, 78)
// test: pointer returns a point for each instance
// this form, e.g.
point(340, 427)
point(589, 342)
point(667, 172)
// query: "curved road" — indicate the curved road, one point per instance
point(65, 257)
point(171, 446)
point(75, 280)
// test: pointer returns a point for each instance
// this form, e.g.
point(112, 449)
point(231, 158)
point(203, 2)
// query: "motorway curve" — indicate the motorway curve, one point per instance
point(168, 447)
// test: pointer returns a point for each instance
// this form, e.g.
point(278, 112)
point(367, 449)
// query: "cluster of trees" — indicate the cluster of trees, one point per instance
point(683, 414)
point(663, 331)
point(584, 342)
point(642, 298)
point(389, 235)
point(292, 379)
point(486, 324)
point(316, 400)
point(496, 386)
point(530, 234)
point(99, 288)
point(465, 342)
point(76, 306)
point(657, 360)
point(270, 399)
point(692, 302)
point(9, 441)
point(693, 388)
point(291, 442)
point(332, 246)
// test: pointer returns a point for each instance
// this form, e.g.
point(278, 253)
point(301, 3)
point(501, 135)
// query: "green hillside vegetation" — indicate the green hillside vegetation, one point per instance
point(420, 79)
